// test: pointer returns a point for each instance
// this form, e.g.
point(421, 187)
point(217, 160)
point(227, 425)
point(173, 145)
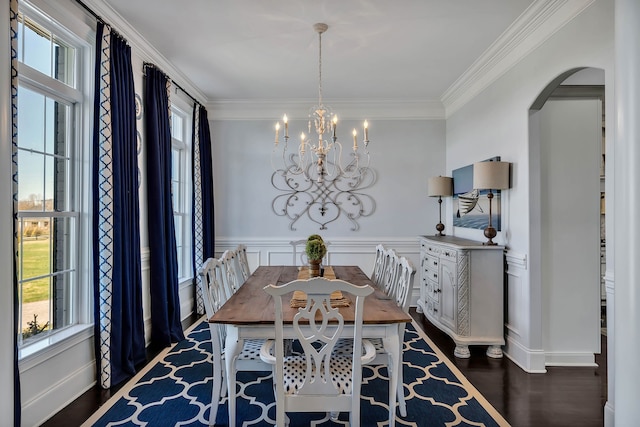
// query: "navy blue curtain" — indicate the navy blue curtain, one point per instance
point(206, 176)
point(202, 229)
point(119, 326)
point(165, 304)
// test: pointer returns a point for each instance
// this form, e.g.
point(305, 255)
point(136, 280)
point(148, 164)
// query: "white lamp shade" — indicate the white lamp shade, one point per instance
point(440, 186)
point(491, 175)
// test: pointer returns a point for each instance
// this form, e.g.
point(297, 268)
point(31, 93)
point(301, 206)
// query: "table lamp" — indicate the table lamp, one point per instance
point(439, 186)
point(490, 175)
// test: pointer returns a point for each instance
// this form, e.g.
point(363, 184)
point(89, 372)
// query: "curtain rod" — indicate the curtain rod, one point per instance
point(149, 64)
point(146, 64)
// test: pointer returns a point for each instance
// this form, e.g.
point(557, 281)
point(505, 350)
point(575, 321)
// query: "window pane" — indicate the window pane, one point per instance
point(31, 119)
point(30, 181)
point(37, 48)
point(47, 53)
point(179, 251)
point(64, 59)
point(176, 126)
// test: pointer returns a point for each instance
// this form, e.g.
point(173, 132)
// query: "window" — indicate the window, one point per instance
point(181, 188)
point(52, 179)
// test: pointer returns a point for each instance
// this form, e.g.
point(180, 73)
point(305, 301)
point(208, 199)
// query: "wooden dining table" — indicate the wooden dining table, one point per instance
point(250, 313)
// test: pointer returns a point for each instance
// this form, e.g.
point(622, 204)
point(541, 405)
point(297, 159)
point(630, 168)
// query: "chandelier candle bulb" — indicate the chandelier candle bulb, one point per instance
point(335, 125)
point(277, 131)
point(366, 130)
point(355, 140)
point(286, 126)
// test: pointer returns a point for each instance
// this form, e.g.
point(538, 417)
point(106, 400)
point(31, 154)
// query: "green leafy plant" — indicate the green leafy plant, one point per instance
point(34, 328)
point(315, 237)
point(315, 249)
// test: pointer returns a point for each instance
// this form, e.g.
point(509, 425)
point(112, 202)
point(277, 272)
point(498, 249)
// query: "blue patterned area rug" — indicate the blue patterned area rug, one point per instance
point(175, 390)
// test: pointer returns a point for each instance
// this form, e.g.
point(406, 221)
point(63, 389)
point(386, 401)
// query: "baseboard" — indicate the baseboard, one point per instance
point(609, 419)
point(582, 359)
point(531, 361)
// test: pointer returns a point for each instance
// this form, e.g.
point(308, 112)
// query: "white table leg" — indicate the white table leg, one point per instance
point(392, 347)
point(232, 348)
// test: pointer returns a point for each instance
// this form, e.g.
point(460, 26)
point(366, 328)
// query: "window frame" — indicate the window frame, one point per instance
point(180, 107)
point(82, 39)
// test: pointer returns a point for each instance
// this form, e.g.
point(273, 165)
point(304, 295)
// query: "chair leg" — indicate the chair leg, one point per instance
point(215, 395)
point(401, 402)
point(231, 386)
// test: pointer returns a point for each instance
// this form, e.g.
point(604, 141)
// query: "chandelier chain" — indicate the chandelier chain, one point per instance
point(320, 68)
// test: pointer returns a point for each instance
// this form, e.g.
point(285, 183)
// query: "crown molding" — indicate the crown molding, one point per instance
point(536, 24)
point(142, 47)
point(268, 109)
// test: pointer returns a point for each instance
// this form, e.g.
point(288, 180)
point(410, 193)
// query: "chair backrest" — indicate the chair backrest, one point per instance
point(231, 276)
point(243, 263)
point(318, 337)
point(378, 265)
point(404, 283)
point(300, 256)
point(390, 273)
point(214, 296)
point(213, 292)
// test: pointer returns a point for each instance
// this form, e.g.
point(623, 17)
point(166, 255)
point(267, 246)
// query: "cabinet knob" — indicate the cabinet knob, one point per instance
point(438, 290)
point(435, 310)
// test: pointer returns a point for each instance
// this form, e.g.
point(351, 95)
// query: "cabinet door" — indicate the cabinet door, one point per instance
point(448, 293)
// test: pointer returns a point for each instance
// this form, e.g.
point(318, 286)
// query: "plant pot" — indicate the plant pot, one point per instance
point(314, 268)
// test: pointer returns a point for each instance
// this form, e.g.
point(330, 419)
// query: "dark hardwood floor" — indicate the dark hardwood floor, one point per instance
point(563, 397)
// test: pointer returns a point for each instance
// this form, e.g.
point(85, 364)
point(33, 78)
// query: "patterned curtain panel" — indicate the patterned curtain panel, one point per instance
point(13, 18)
point(165, 303)
point(203, 229)
point(119, 327)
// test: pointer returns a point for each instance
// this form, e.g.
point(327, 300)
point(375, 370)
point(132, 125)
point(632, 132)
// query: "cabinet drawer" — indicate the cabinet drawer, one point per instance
point(430, 263)
point(433, 290)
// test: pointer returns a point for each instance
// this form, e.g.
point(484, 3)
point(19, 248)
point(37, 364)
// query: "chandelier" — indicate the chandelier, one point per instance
point(323, 149)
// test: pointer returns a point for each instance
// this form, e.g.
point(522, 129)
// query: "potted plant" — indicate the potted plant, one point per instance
point(315, 250)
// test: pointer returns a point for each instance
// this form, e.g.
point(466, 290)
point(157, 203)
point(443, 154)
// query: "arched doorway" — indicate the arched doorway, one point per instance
point(567, 180)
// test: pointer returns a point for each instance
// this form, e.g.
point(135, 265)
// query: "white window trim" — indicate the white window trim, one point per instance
point(83, 37)
point(185, 110)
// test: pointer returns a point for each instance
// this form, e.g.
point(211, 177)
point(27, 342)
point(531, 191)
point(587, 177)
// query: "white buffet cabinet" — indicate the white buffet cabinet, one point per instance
point(461, 291)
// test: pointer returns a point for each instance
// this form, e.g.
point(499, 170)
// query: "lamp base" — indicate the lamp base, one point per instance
point(490, 233)
point(440, 227)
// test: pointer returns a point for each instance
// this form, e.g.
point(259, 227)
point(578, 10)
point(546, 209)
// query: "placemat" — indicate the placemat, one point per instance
point(299, 298)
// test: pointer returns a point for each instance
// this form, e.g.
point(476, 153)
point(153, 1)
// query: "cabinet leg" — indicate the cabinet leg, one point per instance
point(462, 351)
point(494, 351)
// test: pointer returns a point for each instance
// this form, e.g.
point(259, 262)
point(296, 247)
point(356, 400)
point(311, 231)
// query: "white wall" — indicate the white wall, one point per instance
point(404, 153)
point(496, 123)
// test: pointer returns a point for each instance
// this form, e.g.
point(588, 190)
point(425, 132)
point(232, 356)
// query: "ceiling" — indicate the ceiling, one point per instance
point(250, 50)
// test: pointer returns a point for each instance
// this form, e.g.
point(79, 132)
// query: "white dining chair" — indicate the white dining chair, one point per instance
point(390, 272)
point(214, 296)
point(378, 265)
point(243, 263)
point(402, 289)
point(299, 255)
point(318, 379)
point(230, 272)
